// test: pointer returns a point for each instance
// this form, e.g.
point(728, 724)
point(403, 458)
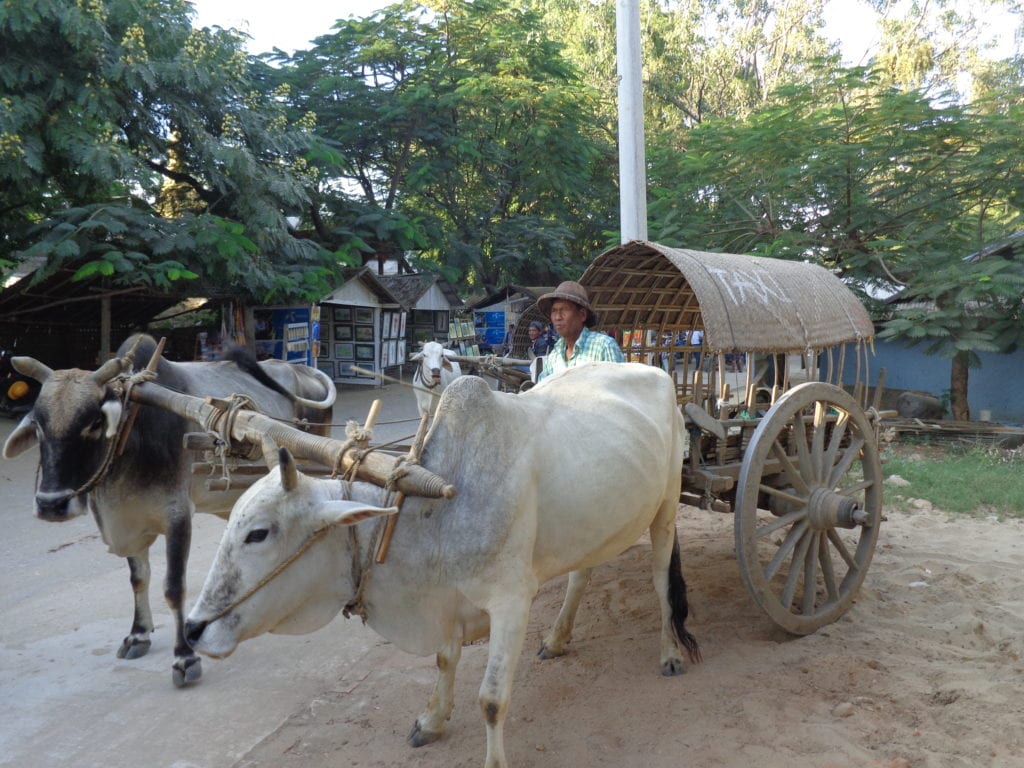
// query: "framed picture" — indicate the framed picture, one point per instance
point(364, 315)
point(345, 351)
point(395, 324)
point(345, 369)
point(343, 314)
point(343, 333)
point(323, 350)
point(385, 324)
point(364, 333)
point(440, 322)
point(326, 367)
point(364, 352)
point(422, 317)
point(392, 352)
point(401, 351)
point(401, 326)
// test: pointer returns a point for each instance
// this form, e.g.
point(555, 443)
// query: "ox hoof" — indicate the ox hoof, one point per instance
point(186, 671)
point(133, 647)
point(420, 738)
point(672, 667)
point(546, 652)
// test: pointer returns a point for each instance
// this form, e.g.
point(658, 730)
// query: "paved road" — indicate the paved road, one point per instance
point(66, 603)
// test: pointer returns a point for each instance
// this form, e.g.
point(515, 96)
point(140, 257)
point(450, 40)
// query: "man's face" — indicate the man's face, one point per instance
point(534, 332)
point(567, 318)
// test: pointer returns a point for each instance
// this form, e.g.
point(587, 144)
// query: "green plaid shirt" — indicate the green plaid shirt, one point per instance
point(591, 345)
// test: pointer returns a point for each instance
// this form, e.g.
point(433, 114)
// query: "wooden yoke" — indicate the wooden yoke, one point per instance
point(249, 426)
point(412, 460)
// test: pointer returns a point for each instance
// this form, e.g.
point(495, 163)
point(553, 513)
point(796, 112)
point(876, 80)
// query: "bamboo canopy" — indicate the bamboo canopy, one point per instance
point(742, 303)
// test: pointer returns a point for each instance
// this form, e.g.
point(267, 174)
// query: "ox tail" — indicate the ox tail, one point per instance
point(678, 603)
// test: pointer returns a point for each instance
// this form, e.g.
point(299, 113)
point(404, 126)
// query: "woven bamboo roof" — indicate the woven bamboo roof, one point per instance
point(743, 303)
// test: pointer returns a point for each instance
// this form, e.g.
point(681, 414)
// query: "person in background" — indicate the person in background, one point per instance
point(568, 308)
point(539, 345)
point(506, 344)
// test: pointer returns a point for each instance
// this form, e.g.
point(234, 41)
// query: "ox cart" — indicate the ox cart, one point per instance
point(782, 366)
point(792, 450)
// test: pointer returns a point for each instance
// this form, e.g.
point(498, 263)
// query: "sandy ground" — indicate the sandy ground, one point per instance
point(924, 671)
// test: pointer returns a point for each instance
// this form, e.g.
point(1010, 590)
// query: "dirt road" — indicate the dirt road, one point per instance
point(925, 671)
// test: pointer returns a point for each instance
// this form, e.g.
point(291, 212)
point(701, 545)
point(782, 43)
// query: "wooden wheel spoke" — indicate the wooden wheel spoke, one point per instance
point(791, 540)
point(791, 472)
point(781, 522)
point(810, 574)
point(803, 451)
point(849, 456)
point(828, 571)
point(856, 488)
point(779, 493)
point(840, 546)
point(818, 441)
point(835, 443)
point(789, 591)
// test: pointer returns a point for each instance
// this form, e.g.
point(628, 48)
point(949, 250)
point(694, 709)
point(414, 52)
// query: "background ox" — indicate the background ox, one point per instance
point(558, 479)
point(147, 490)
point(434, 372)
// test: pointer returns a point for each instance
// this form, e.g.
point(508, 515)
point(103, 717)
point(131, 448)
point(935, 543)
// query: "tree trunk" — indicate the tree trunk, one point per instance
point(958, 388)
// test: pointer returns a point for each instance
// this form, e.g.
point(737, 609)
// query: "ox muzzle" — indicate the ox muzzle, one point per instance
point(56, 507)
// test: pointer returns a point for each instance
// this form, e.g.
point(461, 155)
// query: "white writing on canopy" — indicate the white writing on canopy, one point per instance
point(744, 285)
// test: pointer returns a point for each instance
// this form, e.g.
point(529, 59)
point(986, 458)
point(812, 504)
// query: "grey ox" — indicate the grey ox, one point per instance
point(434, 372)
point(147, 490)
point(556, 480)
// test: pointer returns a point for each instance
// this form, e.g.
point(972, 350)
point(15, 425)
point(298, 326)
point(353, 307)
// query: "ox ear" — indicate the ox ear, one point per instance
point(289, 472)
point(449, 353)
point(417, 356)
point(351, 512)
point(21, 439)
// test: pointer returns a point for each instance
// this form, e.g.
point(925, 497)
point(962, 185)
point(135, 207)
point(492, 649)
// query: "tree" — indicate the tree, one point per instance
point(881, 185)
point(463, 119)
point(112, 110)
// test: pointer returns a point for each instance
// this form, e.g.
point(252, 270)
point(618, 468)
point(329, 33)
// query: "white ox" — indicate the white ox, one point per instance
point(556, 480)
point(434, 372)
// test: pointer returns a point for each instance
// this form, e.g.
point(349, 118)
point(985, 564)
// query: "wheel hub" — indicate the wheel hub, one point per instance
point(827, 509)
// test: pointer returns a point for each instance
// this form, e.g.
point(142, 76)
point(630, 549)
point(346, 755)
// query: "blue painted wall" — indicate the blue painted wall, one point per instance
point(997, 386)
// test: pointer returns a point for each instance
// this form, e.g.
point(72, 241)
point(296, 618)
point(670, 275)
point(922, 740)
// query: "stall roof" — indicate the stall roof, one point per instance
point(410, 288)
point(529, 292)
point(743, 303)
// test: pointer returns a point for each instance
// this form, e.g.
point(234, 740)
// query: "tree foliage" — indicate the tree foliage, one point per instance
point(137, 146)
point(464, 120)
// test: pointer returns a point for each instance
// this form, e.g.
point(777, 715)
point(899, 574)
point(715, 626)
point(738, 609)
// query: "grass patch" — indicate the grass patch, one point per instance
point(967, 480)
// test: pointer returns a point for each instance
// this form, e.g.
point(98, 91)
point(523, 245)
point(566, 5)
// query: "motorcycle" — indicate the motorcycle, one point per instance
point(17, 392)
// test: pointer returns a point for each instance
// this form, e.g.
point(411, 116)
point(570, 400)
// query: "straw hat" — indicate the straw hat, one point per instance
point(572, 291)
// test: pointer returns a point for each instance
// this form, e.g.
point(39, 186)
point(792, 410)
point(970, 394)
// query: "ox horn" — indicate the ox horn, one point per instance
point(107, 371)
point(29, 366)
point(289, 472)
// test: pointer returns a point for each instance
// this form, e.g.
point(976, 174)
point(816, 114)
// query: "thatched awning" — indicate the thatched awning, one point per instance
point(743, 303)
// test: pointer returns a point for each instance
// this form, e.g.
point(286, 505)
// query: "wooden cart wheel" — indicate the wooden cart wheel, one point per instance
point(808, 507)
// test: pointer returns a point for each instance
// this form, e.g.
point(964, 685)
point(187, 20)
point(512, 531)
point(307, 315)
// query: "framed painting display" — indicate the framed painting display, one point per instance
point(345, 369)
point(364, 333)
point(343, 314)
point(323, 350)
point(364, 315)
point(345, 351)
point(401, 351)
point(326, 367)
point(395, 324)
point(364, 352)
point(441, 322)
point(385, 325)
point(401, 326)
point(343, 333)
